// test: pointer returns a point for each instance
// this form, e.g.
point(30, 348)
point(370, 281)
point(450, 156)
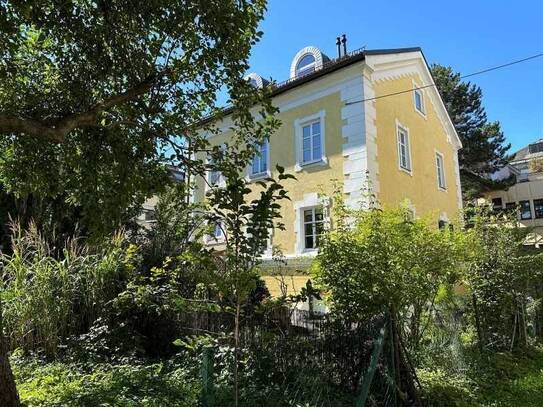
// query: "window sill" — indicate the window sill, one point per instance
point(409, 172)
point(309, 164)
point(259, 176)
point(423, 114)
point(442, 189)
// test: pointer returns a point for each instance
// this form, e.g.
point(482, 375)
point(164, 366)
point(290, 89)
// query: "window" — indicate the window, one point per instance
point(510, 206)
point(525, 210)
point(497, 204)
point(313, 227)
point(215, 177)
point(217, 231)
point(259, 165)
point(404, 154)
point(311, 142)
point(440, 171)
point(419, 100)
point(538, 208)
point(442, 224)
point(306, 65)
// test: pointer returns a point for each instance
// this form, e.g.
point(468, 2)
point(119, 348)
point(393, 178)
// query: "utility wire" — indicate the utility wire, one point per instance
point(518, 61)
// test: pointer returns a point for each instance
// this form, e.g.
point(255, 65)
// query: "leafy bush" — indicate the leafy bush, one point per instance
point(129, 384)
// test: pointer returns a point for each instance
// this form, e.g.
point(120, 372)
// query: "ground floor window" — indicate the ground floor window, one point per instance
point(525, 210)
point(538, 208)
point(313, 227)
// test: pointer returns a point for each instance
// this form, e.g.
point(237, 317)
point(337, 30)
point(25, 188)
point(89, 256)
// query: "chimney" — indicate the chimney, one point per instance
point(338, 44)
point(344, 42)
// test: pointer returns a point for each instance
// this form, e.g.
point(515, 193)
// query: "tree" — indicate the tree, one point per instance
point(504, 279)
point(484, 147)
point(96, 96)
point(246, 214)
point(377, 263)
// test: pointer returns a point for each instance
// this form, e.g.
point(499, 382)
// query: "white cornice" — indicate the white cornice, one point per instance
point(395, 66)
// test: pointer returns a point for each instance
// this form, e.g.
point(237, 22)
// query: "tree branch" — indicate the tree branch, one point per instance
point(57, 131)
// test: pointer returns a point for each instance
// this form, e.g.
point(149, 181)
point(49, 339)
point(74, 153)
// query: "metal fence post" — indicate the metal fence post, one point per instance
point(368, 377)
point(206, 372)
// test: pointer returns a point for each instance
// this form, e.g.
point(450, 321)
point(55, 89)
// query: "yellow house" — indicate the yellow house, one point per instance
point(370, 117)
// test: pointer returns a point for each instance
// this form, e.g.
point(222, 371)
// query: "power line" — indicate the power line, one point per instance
point(518, 61)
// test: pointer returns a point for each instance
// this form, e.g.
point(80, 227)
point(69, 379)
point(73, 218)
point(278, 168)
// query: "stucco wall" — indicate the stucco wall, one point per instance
point(426, 135)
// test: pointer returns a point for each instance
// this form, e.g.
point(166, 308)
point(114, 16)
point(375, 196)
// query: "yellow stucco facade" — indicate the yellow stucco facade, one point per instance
point(359, 133)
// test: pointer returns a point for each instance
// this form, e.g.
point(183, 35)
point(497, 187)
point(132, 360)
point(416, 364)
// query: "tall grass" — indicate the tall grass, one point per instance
point(52, 293)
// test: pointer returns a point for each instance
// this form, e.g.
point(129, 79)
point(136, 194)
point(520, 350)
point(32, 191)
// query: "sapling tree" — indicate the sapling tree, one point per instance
point(246, 212)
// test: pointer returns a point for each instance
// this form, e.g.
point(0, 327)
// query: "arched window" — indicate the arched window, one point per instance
point(306, 61)
point(306, 65)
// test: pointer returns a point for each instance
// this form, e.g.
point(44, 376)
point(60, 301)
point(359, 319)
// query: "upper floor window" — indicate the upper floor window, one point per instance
point(260, 165)
point(310, 140)
point(404, 151)
point(305, 65)
point(313, 227)
point(215, 176)
point(440, 167)
point(419, 100)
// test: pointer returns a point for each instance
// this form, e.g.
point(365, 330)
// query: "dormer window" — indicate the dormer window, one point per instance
point(306, 61)
point(306, 65)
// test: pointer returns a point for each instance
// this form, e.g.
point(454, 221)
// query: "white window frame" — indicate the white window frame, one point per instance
point(262, 174)
point(310, 68)
point(440, 171)
point(417, 90)
point(399, 128)
point(314, 228)
point(221, 180)
point(299, 124)
point(212, 238)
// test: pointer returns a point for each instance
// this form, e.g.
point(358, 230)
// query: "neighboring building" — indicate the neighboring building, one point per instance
point(526, 193)
point(146, 217)
point(336, 125)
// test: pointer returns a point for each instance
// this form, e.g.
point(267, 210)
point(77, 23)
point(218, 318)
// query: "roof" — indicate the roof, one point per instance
point(329, 66)
point(525, 154)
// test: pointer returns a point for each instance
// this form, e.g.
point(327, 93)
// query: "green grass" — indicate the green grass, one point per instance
point(104, 384)
point(501, 379)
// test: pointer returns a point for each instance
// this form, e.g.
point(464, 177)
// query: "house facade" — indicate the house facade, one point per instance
point(369, 119)
point(526, 193)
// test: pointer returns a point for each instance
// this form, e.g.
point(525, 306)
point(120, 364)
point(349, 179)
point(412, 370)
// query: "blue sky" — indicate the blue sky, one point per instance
point(467, 35)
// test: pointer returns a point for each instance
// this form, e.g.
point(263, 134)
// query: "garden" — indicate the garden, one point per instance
point(98, 102)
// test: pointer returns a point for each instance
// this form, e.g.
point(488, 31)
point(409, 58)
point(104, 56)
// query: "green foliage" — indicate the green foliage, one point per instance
point(385, 260)
point(130, 383)
point(484, 148)
point(50, 296)
point(504, 279)
point(94, 96)
point(500, 379)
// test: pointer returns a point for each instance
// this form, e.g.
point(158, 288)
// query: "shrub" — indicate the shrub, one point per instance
point(48, 298)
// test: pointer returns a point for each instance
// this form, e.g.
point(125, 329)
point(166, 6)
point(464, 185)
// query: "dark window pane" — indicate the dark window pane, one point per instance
point(538, 208)
point(309, 242)
point(525, 210)
point(442, 224)
point(497, 203)
point(308, 229)
point(308, 215)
